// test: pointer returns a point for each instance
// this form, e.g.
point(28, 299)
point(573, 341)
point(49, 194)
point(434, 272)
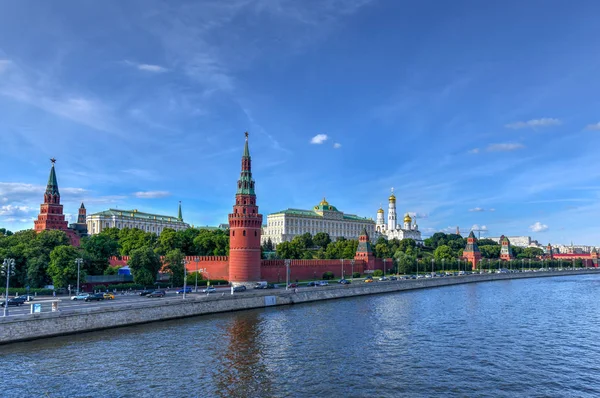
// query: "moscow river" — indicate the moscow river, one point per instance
point(529, 337)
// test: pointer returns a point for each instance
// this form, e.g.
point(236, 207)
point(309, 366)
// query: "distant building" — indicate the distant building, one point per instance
point(118, 218)
point(506, 250)
point(51, 212)
point(283, 226)
point(471, 252)
point(391, 229)
point(519, 241)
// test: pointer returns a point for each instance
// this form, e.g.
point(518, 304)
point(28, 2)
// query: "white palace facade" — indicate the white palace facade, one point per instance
point(120, 219)
point(394, 230)
point(283, 226)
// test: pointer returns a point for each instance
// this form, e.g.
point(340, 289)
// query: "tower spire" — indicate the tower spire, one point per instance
point(246, 151)
point(179, 215)
point(52, 186)
point(246, 183)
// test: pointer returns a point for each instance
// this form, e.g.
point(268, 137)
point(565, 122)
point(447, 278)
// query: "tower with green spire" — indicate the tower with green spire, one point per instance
point(179, 215)
point(51, 211)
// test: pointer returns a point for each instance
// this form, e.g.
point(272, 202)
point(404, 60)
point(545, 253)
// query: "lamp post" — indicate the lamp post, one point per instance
point(352, 263)
point(529, 265)
point(522, 264)
point(185, 261)
point(432, 262)
point(342, 269)
point(287, 274)
point(417, 276)
point(79, 261)
point(8, 266)
point(443, 265)
point(196, 287)
point(384, 267)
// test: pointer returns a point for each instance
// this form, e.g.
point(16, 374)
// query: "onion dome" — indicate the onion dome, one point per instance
point(380, 211)
point(407, 218)
point(392, 197)
point(324, 202)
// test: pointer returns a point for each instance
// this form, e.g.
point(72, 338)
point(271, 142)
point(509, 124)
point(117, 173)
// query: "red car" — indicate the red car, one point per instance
point(292, 285)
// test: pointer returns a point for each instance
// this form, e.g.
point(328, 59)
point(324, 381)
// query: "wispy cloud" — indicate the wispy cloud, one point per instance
point(533, 123)
point(151, 194)
point(12, 210)
point(477, 209)
point(474, 151)
point(505, 147)
point(477, 227)
point(337, 145)
point(595, 126)
point(4, 64)
point(319, 139)
point(538, 227)
point(146, 67)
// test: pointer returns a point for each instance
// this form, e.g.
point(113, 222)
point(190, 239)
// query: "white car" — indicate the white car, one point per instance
point(209, 290)
point(80, 296)
point(323, 283)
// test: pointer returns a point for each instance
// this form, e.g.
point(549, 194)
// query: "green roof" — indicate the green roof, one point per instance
point(313, 213)
point(138, 215)
point(52, 187)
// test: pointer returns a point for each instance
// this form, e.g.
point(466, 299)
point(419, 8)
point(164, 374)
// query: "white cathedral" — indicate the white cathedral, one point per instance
point(391, 230)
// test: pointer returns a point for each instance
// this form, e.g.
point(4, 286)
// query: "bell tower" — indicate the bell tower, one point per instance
point(244, 229)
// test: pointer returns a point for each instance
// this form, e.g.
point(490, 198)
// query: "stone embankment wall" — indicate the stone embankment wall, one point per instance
point(35, 326)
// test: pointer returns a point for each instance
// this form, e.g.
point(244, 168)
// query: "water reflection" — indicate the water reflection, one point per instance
point(242, 370)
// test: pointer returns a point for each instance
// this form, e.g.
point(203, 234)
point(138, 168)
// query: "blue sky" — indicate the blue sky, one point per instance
point(476, 112)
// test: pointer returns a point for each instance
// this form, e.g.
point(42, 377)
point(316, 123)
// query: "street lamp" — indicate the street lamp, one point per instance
point(79, 261)
point(384, 267)
point(432, 261)
point(185, 262)
point(443, 265)
point(196, 287)
point(8, 269)
point(342, 268)
point(417, 276)
point(352, 263)
point(287, 274)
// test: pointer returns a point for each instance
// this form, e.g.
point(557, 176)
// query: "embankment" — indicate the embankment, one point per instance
point(42, 325)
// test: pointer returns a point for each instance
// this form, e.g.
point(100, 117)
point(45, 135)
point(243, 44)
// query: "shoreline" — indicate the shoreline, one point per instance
point(15, 329)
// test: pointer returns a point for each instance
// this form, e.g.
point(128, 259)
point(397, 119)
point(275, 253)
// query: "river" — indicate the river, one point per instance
point(525, 337)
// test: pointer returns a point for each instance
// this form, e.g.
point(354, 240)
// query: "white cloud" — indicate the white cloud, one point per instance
point(595, 126)
point(533, 123)
point(505, 147)
point(492, 210)
point(146, 67)
point(337, 145)
point(11, 210)
point(474, 151)
point(538, 227)
point(477, 209)
point(476, 227)
point(151, 194)
point(319, 139)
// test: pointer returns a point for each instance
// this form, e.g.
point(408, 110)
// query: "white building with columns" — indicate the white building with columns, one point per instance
point(394, 230)
point(283, 226)
point(117, 218)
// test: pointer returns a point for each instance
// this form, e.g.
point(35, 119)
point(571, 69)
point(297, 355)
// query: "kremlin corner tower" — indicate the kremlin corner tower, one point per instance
point(245, 225)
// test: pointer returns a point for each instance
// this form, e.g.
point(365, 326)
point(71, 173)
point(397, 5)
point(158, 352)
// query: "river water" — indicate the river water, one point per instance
point(529, 337)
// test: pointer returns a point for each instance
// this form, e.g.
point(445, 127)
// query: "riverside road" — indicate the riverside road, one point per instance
point(67, 305)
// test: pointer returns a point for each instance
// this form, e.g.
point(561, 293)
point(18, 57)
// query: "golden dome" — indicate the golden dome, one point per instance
point(392, 198)
point(407, 218)
point(380, 211)
point(323, 202)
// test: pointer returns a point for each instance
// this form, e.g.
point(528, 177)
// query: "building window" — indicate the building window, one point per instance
point(244, 232)
point(255, 233)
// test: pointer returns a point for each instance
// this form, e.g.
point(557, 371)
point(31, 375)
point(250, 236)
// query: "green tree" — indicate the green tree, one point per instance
point(111, 271)
point(443, 252)
point(97, 251)
point(288, 250)
point(322, 240)
point(490, 251)
point(168, 240)
point(5, 232)
point(62, 268)
point(487, 242)
point(377, 273)
point(405, 262)
point(174, 266)
point(144, 264)
point(382, 250)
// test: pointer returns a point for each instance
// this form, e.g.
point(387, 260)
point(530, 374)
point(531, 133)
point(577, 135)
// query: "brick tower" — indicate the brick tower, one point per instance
point(364, 251)
point(244, 229)
point(51, 211)
point(471, 252)
point(505, 251)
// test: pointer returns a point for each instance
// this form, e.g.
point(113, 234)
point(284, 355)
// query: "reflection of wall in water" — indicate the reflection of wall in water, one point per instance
point(243, 370)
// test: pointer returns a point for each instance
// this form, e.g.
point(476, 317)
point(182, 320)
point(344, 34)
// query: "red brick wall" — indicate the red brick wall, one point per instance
point(213, 267)
point(274, 270)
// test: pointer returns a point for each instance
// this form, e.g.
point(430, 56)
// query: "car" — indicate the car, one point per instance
point(240, 288)
point(428, 276)
point(95, 297)
point(310, 284)
point(344, 281)
point(209, 289)
point(157, 293)
point(384, 278)
point(26, 297)
point(109, 296)
point(461, 273)
point(80, 296)
point(368, 280)
point(186, 290)
point(323, 283)
point(393, 278)
point(146, 292)
point(14, 302)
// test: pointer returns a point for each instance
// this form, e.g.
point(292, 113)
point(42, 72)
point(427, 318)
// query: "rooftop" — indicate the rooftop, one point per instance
point(135, 213)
